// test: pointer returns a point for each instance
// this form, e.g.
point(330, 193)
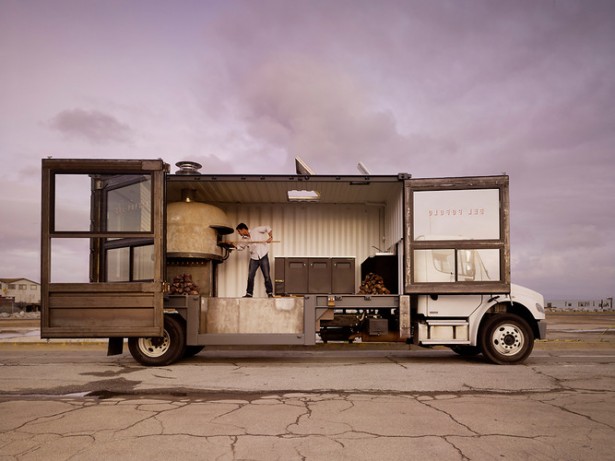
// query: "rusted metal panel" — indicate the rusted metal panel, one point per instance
point(255, 315)
point(404, 317)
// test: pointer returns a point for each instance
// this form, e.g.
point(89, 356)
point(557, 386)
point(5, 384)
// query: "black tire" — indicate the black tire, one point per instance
point(506, 339)
point(163, 351)
point(191, 351)
point(466, 351)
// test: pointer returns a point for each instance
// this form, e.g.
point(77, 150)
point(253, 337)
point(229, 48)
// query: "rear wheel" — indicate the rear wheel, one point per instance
point(191, 351)
point(506, 339)
point(160, 351)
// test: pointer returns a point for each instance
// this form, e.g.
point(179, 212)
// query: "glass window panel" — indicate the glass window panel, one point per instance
point(129, 208)
point(118, 265)
point(72, 202)
point(472, 214)
point(438, 266)
point(478, 265)
point(434, 266)
point(143, 264)
point(70, 261)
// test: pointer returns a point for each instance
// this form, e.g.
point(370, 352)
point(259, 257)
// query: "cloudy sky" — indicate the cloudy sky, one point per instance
point(429, 87)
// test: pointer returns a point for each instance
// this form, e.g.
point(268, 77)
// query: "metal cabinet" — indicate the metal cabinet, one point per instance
point(295, 275)
point(304, 275)
point(319, 275)
point(342, 275)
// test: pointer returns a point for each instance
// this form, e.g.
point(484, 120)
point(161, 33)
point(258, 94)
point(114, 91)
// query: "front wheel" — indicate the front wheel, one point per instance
point(466, 351)
point(506, 339)
point(160, 351)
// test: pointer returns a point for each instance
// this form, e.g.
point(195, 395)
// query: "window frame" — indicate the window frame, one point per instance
point(502, 243)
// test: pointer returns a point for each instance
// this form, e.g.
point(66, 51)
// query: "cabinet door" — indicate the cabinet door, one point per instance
point(279, 280)
point(296, 275)
point(319, 275)
point(343, 275)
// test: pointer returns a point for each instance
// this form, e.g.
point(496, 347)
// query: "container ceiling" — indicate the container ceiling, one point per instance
point(274, 189)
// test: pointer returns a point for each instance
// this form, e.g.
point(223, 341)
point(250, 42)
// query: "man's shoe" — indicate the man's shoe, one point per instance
point(270, 295)
point(247, 296)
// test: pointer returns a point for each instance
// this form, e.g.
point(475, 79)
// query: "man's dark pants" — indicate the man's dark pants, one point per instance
point(263, 263)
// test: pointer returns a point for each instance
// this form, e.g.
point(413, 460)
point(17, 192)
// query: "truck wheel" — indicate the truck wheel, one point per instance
point(191, 351)
point(506, 339)
point(160, 351)
point(466, 351)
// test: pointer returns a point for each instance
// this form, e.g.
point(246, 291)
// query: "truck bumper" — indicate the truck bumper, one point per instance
point(542, 329)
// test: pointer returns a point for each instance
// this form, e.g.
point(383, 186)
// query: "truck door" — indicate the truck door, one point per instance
point(457, 235)
point(102, 248)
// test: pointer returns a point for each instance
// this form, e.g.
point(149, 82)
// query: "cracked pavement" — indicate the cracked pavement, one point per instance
point(310, 426)
point(71, 402)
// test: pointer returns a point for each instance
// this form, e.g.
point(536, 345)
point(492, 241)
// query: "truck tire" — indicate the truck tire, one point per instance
point(162, 351)
point(466, 351)
point(506, 339)
point(191, 351)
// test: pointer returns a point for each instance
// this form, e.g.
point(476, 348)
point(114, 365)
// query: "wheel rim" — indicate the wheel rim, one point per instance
point(508, 339)
point(155, 347)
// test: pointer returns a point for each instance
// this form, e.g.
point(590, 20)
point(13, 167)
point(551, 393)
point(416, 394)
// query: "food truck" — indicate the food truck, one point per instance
point(135, 253)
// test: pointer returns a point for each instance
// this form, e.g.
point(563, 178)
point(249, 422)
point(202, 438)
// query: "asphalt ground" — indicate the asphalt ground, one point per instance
point(65, 400)
point(571, 328)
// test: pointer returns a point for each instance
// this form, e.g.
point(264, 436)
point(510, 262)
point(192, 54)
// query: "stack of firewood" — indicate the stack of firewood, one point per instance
point(183, 285)
point(373, 284)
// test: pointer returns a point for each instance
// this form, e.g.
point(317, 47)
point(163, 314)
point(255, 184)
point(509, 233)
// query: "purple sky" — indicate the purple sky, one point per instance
point(432, 88)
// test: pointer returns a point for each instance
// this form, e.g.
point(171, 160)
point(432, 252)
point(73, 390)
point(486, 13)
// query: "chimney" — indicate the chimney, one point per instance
point(187, 167)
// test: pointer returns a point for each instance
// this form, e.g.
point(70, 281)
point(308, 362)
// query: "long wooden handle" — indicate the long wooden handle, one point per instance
point(251, 241)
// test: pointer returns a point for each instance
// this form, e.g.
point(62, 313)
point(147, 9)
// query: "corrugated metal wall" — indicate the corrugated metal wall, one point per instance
point(306, 230)
point(394, 222)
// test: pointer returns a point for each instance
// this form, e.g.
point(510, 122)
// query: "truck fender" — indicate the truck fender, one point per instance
point(477, 317)
point(521, 301)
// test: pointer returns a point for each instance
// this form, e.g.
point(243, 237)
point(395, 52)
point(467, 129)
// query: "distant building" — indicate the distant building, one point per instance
point(24, 293)
point(581, 304)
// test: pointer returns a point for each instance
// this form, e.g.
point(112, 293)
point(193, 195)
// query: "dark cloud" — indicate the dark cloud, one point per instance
point(94, 126)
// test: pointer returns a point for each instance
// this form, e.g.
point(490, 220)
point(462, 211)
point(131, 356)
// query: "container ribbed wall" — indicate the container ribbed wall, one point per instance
point(394, 222)
point(304, 230)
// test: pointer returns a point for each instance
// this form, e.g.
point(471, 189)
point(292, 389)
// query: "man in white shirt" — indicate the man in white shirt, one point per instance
point(258, 240)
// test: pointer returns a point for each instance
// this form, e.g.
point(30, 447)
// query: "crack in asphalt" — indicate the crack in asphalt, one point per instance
point(309, 403)
point(295, 422)
point(121, 387)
